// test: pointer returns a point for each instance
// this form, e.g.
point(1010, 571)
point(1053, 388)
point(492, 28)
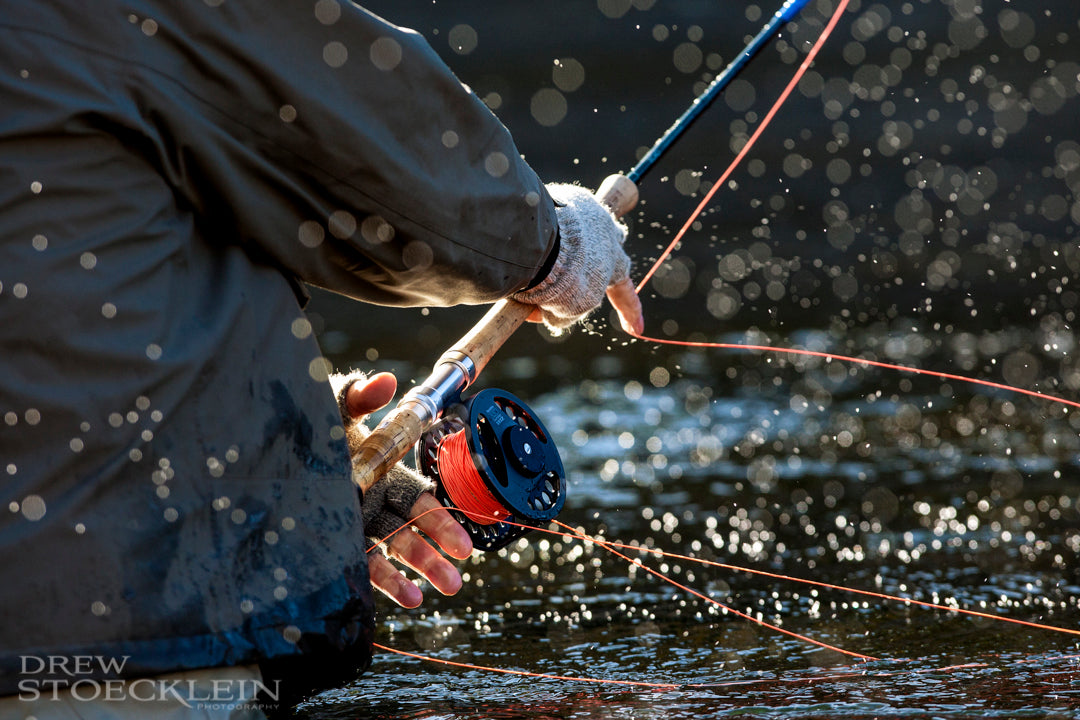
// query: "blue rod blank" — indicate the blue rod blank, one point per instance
point(783, 15)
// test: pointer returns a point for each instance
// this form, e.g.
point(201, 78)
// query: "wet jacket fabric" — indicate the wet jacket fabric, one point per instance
point(173, 468)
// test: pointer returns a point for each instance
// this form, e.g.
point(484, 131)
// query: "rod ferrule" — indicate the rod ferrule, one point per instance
point(463, 362)
point(427, 408)
point(452, 373)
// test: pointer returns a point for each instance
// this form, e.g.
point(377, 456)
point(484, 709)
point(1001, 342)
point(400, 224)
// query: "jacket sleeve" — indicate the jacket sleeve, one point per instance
point(340, 148)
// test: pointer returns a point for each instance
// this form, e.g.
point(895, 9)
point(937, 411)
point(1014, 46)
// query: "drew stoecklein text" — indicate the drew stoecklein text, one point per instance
point(90, 678)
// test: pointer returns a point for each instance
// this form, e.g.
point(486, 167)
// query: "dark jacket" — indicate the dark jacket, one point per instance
point(175, 481)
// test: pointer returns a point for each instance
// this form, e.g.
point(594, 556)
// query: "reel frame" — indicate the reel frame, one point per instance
point(515, 457)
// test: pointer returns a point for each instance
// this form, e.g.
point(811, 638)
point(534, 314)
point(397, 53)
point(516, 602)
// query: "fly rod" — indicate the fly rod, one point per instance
point(457, 368)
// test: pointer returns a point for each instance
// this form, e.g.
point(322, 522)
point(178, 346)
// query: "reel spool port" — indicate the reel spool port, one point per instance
point(495, 463)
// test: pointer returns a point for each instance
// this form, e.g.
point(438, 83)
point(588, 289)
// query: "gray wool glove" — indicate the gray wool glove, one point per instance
point(386, 504)
point(591, 257)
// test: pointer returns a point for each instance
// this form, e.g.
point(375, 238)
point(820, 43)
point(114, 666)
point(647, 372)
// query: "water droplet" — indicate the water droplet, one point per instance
point(463, 39)
point(40, 242)
point(216, 469)
point(613, 8)
point(548, 107)
point(497, 164)
point(687, 181)
point(740, 95)
point(301, 328)
point(153, 351)
point(108, 310)
point(327, 11)
point(376, 230)
point(385, 53)
point(342, 224)
point(417, 255)
point(335, 54)
point(33, 507)
point(319, 369)
point(287, 113)
point(688, 57)
point(311, 234)
point(568, 74)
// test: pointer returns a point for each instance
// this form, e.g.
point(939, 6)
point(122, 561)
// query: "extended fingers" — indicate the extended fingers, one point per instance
point(433, 519)
point(392, 583)
point(411, 550)
point(626, 302)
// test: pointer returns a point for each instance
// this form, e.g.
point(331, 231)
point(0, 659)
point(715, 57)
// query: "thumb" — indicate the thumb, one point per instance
point(367, 396)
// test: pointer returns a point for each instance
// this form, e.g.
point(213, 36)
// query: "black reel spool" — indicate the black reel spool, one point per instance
point(515, 457)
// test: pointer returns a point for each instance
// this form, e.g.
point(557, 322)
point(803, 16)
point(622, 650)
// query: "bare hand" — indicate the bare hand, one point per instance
point(407, 546)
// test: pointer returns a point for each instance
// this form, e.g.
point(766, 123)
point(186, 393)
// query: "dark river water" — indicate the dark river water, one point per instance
point(915, 202)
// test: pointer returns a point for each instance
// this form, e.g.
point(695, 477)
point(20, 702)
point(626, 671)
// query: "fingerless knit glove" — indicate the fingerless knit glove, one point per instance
point(387, 503)
point(591, 257)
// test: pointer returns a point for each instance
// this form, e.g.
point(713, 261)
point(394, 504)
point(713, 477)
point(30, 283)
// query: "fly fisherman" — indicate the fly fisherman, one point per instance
point(179, 512)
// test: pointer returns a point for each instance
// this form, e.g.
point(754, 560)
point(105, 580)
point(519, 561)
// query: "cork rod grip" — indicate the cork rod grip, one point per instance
point(402, 427)
point(388, 443)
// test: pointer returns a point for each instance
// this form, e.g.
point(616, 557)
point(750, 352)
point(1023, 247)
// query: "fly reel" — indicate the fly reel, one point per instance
point(496, 466)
